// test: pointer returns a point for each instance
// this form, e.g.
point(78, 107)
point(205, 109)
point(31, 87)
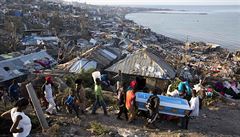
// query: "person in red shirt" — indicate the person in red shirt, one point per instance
point(131, 104)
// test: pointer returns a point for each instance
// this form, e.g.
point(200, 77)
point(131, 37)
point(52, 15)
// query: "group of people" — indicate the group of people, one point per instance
point(186, 91)
point(22, 123)
point(127, 104)
point(76, 101)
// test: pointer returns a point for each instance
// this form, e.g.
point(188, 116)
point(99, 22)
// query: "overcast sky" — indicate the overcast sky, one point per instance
point(161, 2)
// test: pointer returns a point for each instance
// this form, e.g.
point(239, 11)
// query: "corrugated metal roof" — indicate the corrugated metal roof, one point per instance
point(144, 62)
point(102, 55)
point(82, 64)
point(16, 66)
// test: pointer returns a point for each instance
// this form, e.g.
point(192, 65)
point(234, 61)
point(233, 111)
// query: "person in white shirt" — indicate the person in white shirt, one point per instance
point(49, 96)
point(194, 104)
point(21, 123)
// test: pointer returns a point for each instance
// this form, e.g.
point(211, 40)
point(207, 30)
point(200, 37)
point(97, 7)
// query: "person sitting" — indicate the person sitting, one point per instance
point(71, 105)
point(152, 106)
point(21, 122)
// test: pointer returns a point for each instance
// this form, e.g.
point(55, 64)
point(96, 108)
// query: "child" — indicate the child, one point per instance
point(70, 103)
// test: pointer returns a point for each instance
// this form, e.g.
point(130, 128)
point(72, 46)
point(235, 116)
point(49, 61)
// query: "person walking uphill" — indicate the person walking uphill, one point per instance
point(121, 103)
point(131, 103)
point(153, 107)
point(70, 102)
point(49, 95)
point(80, 95)
point(99, 98)
point(21, 123)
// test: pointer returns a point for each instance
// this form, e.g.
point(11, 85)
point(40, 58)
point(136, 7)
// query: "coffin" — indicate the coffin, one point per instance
point(168, 105)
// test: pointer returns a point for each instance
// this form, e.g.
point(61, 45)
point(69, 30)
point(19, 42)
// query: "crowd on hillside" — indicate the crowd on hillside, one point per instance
point(76, 102)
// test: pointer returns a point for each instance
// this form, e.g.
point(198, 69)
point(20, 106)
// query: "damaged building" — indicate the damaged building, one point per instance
point(146, 63)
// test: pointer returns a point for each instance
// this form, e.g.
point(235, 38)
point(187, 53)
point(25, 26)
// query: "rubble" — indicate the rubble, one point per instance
point(80, 37)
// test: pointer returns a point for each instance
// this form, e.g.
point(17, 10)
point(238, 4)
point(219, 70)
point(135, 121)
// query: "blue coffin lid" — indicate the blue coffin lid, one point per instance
point(165, 101)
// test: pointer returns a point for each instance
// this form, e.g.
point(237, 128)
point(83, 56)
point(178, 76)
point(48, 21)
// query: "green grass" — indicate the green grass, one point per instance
point(98, 128)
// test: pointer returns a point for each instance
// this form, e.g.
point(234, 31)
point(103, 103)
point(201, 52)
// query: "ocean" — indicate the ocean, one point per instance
point(213, 24)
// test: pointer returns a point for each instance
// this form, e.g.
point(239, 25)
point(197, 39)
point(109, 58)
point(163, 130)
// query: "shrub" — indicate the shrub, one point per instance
point(98, 129)
point(175, 84)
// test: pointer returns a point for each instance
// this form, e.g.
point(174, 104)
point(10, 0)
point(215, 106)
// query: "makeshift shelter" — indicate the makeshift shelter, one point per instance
point(146, 63)
point(104, 56)
point(21, 65)
point(95, 58)
point(83, 64)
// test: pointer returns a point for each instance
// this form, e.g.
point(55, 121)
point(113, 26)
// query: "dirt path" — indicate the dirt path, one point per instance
point(218, 120)
point(221, 119)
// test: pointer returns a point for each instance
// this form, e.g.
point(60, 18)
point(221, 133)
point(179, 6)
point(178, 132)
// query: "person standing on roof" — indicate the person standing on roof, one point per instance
point(152, 107)
point(14, 91)
point(99, 98)
point(21, 122)
point(48, 92)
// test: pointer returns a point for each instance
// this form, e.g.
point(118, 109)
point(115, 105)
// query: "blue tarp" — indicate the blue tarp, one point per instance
point(18, 14)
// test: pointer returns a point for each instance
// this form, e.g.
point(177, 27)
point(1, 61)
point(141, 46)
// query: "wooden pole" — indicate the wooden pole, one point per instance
point(37, 106)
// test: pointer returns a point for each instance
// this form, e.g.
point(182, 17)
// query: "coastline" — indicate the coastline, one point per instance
point(174, 40)
point(172, 11)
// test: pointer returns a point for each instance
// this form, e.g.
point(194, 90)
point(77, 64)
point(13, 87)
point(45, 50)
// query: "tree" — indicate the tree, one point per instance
point(13, 25)
point(56, 22)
